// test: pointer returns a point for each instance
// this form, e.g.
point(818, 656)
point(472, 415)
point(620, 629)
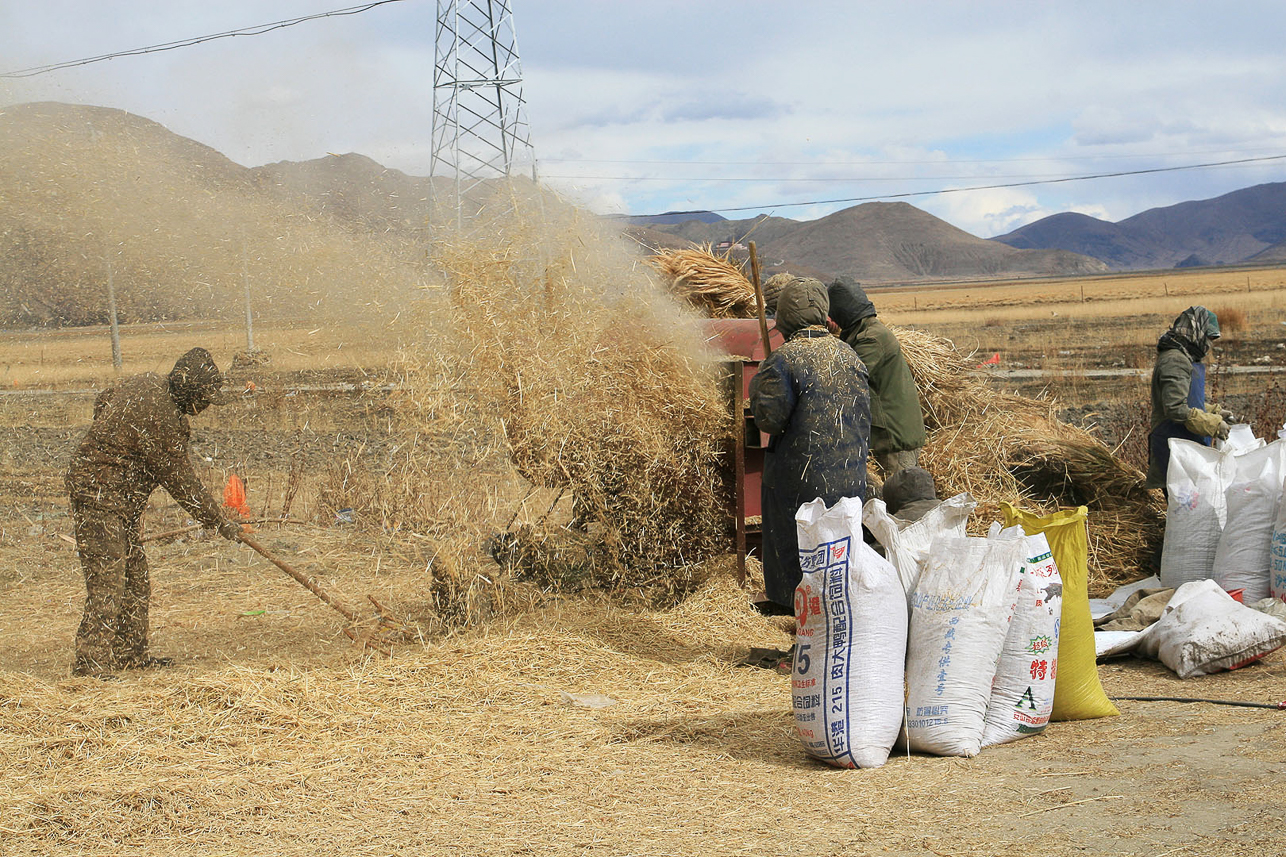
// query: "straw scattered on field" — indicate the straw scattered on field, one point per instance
point(1004, 447)
point(492, 742)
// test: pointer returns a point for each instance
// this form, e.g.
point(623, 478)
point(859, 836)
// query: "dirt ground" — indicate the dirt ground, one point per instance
point(274, 733)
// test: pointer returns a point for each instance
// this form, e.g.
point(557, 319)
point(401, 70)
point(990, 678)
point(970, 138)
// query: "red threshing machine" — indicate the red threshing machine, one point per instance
point(739, 339)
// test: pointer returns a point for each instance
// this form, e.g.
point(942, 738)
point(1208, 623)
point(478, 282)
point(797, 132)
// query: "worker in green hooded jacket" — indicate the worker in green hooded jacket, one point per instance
point(897, 421)
point(1179, 406)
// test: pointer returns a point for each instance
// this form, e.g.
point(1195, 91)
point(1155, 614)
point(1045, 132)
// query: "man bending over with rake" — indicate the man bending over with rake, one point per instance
point(138, 440)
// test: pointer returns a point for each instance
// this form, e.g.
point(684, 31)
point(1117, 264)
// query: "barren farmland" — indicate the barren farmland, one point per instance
point(546, 721)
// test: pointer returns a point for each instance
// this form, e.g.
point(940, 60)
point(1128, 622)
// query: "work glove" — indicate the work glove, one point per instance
point(1224, 413)
point(230, 530)
point(1206, 424)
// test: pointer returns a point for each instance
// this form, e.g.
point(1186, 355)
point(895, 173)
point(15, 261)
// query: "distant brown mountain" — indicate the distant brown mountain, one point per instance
point(1232, 228)
point(883, 242)
point(89, 194)
point(1275, 254)
point(354, 189)
point(874, 242)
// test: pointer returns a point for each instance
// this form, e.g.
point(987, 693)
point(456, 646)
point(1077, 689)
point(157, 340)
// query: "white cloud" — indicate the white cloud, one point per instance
point(987, 213)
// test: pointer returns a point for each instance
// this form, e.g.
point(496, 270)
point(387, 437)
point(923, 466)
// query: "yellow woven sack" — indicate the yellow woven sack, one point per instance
point(1078, 695)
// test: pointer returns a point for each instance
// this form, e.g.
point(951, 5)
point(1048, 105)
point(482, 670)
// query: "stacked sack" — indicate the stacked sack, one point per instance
point(850, 641)
point(1224, 516)
point(976, 661)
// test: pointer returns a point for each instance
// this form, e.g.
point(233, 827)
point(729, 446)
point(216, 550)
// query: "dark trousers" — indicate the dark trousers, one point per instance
point(113, 632)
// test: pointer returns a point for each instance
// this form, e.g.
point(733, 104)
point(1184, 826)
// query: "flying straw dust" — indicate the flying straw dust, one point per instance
point(553, 379)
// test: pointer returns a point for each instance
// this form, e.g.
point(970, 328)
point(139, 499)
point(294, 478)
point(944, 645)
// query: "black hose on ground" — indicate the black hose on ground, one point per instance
point(1276, 706)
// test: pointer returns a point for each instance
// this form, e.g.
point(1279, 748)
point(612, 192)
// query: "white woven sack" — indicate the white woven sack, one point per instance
point(960, 613)
point(1022, 693)
point(1195, 481)
point(1203, 630)
point(850, 643)
point(1244, 554)
point(1277, 555)
point(907, 545)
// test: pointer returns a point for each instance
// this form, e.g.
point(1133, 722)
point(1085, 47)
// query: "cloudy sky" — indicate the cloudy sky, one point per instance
point(659, 105)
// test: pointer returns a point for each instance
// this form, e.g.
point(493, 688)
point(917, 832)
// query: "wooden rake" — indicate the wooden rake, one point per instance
point(384, 626)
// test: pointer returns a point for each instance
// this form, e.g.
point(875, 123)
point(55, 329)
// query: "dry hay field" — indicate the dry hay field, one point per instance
point(1108, 321)
point(488, 731)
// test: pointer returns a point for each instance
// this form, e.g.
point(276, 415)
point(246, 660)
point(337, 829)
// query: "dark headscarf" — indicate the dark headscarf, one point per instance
point(194, 381)
point(802, 303)
point(849, 303)
point(1193, 331)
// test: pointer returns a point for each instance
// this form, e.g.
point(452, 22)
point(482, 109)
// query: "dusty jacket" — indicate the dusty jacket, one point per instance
point(139, 440)
point(811, 395)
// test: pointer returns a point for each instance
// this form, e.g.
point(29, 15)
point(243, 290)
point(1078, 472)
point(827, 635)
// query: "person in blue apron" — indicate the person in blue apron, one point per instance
point(1179, 407)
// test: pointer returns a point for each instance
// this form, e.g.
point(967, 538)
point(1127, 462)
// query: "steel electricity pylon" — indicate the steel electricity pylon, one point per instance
point(480, 129)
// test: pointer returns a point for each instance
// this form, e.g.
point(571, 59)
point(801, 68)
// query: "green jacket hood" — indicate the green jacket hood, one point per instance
point(849, 303)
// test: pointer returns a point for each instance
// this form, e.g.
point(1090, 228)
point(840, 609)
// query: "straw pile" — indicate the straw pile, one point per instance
point(711, 283)
point(553, 380)
point(1005, 447)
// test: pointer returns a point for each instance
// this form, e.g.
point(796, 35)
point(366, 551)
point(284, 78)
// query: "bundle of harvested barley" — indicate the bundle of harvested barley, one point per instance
point(554, 371)
point(1004, 447)
point(713, 284)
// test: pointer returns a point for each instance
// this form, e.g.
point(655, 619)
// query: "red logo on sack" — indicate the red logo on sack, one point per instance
point(806, 604)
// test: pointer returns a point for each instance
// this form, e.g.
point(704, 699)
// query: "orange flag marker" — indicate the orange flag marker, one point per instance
point(234, 496)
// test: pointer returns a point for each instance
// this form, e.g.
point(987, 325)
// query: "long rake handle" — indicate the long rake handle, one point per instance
point(308, 582)
point(194, 527)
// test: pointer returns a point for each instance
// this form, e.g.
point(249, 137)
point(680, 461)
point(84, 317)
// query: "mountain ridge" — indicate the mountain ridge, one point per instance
point(84, 189)
point(1231, 228)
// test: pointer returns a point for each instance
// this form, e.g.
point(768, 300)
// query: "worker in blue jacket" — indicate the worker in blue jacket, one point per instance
point(811, 396)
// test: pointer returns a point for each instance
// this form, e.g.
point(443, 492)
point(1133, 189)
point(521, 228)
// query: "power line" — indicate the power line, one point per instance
point(256, 30)
point(926, 162)
point(1033, 178)
point(966, 189)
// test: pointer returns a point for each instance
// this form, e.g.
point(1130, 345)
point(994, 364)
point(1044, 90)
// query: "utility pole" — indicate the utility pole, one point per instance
point(480, 130)
point(117, 362)
point(245, 281)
